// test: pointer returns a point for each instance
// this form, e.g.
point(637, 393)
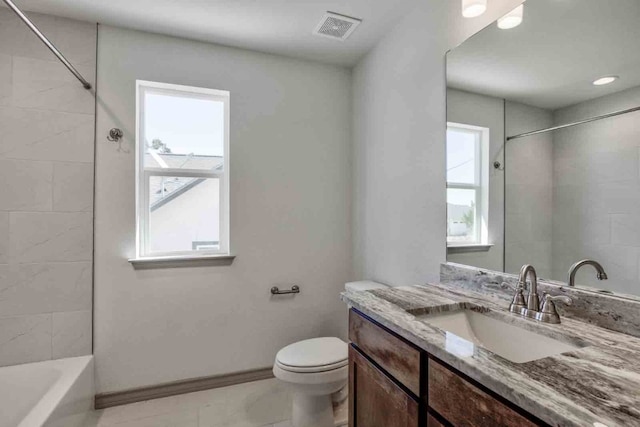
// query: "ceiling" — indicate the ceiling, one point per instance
point(276, 26)
point(551, 59)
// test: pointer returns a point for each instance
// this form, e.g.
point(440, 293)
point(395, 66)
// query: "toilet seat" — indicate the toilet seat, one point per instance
point(312, 369)
point(314, 355)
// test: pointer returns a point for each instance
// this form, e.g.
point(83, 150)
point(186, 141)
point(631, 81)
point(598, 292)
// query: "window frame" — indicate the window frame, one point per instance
point(143, 175)
point(480, 185)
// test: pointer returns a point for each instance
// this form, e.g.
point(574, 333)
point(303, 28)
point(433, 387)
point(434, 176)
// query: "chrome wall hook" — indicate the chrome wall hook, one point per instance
point(115, 135)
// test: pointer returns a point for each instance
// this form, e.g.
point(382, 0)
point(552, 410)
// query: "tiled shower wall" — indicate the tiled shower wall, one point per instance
point(596, 183)
point(529, 190)
point(46, 190)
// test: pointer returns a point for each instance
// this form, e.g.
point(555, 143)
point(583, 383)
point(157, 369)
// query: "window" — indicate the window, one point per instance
point(182, 170)
point(467, 184)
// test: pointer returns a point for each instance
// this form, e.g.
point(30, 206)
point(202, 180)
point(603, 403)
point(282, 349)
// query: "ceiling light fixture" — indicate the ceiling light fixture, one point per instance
point(473, 8)
point(512, 19)
point(605, 80)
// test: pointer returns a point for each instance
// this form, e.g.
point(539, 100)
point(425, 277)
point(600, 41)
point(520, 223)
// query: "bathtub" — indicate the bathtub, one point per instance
point(55, 393)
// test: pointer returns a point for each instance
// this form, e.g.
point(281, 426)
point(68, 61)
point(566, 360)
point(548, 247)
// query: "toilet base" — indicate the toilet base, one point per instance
point(315, 393)
point(312, 411)
point(341, 413)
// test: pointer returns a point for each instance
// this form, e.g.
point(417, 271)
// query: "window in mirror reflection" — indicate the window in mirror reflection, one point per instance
point(467, 184)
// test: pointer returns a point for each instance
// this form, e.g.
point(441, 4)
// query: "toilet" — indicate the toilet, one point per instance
point(317, 369)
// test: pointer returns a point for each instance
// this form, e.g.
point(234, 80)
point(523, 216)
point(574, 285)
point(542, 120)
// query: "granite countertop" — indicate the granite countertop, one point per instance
point(598, 383)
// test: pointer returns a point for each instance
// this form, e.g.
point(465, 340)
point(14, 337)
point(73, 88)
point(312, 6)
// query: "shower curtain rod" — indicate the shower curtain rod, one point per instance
point(46, 41)
point(568, 125)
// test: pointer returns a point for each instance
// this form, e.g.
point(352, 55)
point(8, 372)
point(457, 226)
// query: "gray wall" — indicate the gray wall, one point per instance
point(485, 111)
point(46, 192)
point(399, 140)
point(290, 222)
point(529, 190)
point(597, 192)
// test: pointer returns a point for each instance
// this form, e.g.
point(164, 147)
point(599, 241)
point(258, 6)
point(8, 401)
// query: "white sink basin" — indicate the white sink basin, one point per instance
point(466, 329)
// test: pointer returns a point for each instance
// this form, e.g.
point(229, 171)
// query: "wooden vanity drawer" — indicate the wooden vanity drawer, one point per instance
point(465, 405)
point(399, 358)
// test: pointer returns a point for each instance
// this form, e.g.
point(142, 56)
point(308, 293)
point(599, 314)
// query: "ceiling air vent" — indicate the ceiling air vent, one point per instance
point(336, 26)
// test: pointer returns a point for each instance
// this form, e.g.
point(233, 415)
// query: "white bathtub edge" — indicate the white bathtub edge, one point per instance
point(70, 400)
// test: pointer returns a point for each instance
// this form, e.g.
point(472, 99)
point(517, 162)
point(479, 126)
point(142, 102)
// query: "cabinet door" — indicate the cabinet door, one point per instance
point(433, 422)
point(374, 399)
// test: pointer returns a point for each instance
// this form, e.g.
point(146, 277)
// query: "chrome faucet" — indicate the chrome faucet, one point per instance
point(532, 310)
point(533, 300)
point(601, 275)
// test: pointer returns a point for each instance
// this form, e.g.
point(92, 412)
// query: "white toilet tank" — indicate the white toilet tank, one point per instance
point(364, 285)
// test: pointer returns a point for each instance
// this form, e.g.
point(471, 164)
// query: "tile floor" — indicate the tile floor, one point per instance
point(264, 403)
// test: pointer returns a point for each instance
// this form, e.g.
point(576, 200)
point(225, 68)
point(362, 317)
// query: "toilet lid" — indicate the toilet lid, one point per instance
point(316, 354)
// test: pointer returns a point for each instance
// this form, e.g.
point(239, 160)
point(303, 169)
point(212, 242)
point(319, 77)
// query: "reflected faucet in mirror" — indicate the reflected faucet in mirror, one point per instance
point(601, 274)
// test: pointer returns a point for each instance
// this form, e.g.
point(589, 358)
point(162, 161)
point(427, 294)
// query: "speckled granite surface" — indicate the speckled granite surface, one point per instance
point(598, 383)
point(611, 312)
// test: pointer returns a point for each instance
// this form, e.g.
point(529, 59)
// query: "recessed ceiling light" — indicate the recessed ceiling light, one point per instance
point(512, 19)
point(473, 8)
point(605, 80)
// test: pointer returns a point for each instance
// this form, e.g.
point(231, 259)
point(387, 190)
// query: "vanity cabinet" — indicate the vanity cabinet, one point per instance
point(393, 383)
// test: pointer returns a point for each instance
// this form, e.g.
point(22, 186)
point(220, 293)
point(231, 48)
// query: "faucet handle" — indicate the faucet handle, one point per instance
point(518, 302)
point(549, 313)
point(562, 298)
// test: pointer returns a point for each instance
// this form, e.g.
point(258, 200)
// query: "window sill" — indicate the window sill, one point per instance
point(181, 261)
point(463, 249)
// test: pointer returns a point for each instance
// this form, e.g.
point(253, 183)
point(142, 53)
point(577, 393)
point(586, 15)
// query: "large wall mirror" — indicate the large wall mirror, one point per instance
point(543, 143)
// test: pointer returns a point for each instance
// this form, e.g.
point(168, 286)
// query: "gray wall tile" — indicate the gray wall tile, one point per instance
point(49, 85)
point(71, 334)
point(44, 288)
point(72, 187)
point(25, 339)
point(50, 236)
point(26, 185)
point(625, 229)
point(46, 135)
point(76, 39)
point(15, 38)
